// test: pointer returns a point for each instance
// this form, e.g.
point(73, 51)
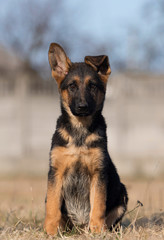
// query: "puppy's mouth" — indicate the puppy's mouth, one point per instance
point(81, 113)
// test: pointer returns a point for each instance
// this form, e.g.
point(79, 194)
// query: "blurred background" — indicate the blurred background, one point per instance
point(131, 33)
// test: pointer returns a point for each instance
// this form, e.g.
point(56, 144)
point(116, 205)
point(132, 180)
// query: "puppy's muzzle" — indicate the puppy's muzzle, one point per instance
point(82, 109)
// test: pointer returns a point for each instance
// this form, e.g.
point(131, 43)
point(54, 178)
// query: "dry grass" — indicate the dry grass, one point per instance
point(22, 211)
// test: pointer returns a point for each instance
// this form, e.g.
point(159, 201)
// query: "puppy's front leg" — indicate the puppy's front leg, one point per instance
point(98, 205)
point(53, 205)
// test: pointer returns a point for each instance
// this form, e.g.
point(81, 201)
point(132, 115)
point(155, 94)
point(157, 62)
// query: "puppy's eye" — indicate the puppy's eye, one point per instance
point(72, 87)
point(92, 87)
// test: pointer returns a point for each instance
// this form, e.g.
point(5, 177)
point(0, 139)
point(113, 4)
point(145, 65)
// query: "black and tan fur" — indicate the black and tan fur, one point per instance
point(83, 184)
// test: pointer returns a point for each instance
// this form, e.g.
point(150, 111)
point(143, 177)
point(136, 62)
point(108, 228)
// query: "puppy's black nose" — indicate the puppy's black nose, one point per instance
point(83, 106)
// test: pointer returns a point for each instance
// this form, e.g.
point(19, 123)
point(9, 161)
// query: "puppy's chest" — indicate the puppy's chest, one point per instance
point(66, 157)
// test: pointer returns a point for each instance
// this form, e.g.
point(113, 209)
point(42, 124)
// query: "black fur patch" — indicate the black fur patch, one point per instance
point(51, 175)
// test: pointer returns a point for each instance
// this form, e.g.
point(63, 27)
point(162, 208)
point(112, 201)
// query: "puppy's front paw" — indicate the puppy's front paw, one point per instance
point(97, 226)
point(50, 227)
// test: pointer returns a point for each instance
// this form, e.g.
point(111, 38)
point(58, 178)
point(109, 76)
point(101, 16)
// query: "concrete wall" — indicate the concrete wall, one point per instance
point(133, 111)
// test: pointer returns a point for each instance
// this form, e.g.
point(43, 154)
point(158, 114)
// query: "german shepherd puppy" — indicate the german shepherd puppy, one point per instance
point(83, 185)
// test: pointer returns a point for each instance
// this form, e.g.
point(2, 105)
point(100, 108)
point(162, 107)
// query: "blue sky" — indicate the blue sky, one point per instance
point(105, 17)
point(98, 18)
point(107, 22)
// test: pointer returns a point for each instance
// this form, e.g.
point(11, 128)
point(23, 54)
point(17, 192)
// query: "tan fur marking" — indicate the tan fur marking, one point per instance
point(65, 135)
point(86, 79)
point(98, 206)
point(91, 138)
point(76, 78)
point(53, 205)
point(93, 160)
point(104, 78)
point(113, 215)
point(65, 96)
point(107, 73)
point(64, 157)
point(61, 158)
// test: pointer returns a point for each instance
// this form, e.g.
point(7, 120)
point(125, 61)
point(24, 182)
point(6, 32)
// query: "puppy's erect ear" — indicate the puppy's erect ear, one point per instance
point(100, 64)
point(59, 62)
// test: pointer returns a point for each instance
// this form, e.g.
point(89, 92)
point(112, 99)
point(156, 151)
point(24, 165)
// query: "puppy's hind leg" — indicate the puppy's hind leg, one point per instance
point(116, 214)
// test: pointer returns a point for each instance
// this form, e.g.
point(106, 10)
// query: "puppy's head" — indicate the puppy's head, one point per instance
point(82, 85)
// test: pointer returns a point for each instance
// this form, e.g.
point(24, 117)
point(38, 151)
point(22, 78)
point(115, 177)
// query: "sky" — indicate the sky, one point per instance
point(111, 20)
point(102, 21)
point(99, 18)
point(106, 17)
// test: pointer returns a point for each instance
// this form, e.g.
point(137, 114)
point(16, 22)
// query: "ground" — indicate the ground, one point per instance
point(22, 211)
